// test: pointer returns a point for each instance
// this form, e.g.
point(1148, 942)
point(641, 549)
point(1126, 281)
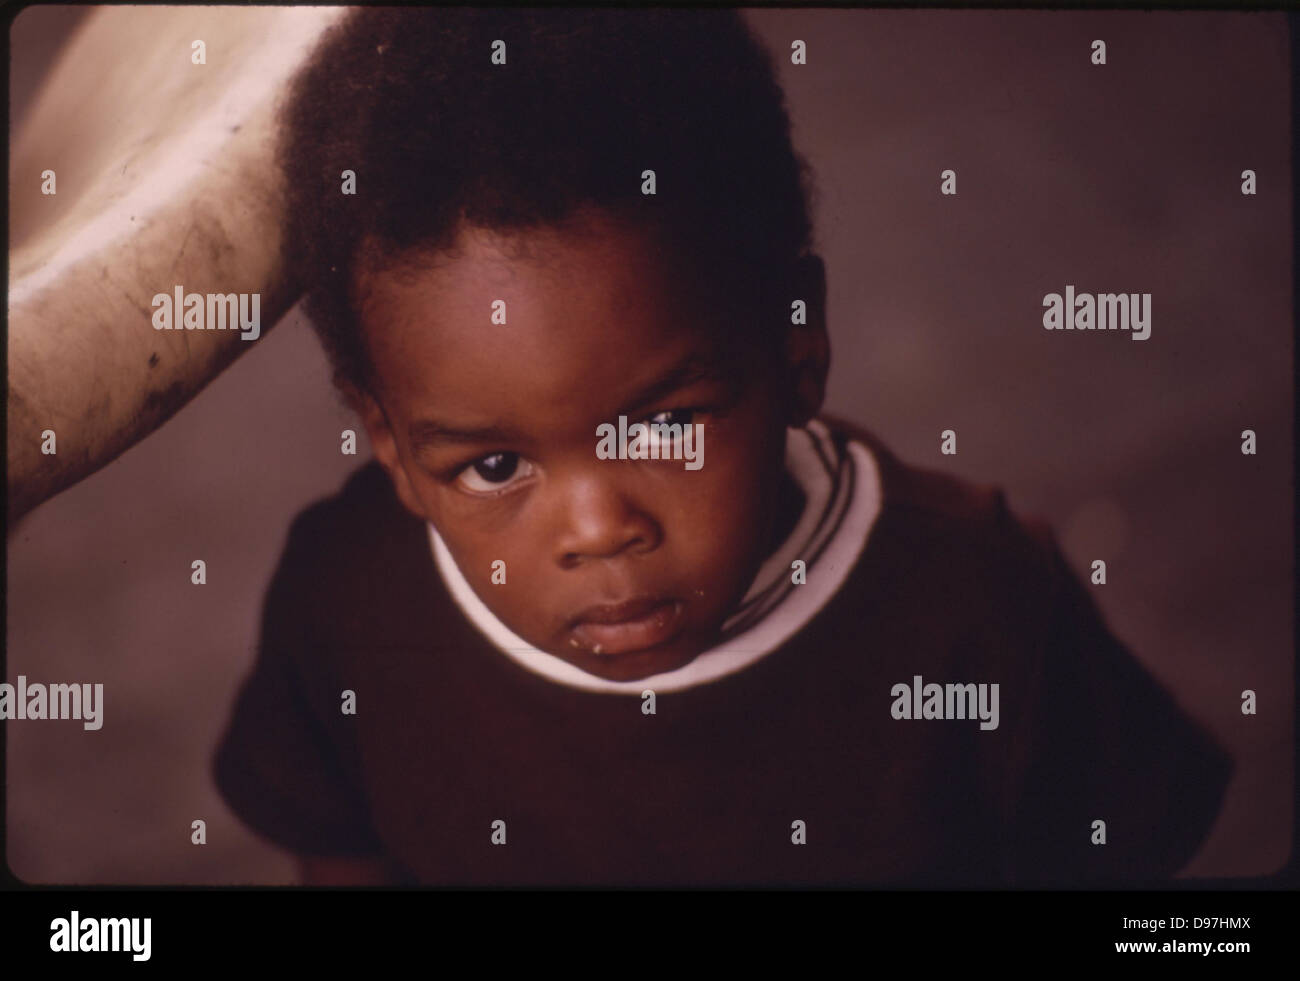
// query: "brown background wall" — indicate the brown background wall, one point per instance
point(1117, 178)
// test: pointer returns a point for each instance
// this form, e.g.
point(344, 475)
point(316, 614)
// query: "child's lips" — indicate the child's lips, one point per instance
point(633, 625)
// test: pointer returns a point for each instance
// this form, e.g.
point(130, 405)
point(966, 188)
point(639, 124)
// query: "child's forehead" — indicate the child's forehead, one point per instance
point(624, 276)
point(558, 320)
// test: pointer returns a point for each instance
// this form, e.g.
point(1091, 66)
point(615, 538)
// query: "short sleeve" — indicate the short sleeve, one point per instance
point(1093, 737)
point(286, 764)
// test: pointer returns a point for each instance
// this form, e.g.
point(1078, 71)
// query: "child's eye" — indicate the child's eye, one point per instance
point(670, 417)
point(494, 473)
point(666, 442)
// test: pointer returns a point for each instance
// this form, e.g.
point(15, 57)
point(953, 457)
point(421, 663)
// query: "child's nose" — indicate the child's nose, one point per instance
point(599, 519)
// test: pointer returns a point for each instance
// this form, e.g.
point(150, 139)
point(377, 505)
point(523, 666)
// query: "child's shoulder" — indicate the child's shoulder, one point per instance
point(365, 501)
point(359, 528)
point(933, 505)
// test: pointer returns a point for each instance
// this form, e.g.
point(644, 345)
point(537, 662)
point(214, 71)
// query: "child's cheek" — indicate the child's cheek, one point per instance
point(499, 576)
point(721, 520)
point(473, 517)
point(479, 535)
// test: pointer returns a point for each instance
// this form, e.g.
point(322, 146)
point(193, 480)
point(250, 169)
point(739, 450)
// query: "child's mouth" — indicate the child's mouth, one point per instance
point(633, 625)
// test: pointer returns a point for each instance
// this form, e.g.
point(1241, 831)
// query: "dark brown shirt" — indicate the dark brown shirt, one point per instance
point(450, 735)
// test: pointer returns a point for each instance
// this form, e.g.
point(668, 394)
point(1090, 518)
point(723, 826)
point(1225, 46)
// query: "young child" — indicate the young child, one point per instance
point(515, 649)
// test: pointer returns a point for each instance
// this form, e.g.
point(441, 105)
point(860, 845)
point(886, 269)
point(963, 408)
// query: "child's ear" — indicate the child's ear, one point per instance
point(383, 442)
point(808, 348)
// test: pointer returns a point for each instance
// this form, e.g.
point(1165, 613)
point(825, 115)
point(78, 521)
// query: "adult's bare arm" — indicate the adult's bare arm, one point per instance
point(164, 177)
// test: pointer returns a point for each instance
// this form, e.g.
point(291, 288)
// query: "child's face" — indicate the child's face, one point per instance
point(624, 568)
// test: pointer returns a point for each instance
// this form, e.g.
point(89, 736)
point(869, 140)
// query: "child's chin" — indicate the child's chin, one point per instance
point(634, 665)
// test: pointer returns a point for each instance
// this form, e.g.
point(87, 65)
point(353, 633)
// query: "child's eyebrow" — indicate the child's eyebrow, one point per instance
point(695, 368)
point(425, 432)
